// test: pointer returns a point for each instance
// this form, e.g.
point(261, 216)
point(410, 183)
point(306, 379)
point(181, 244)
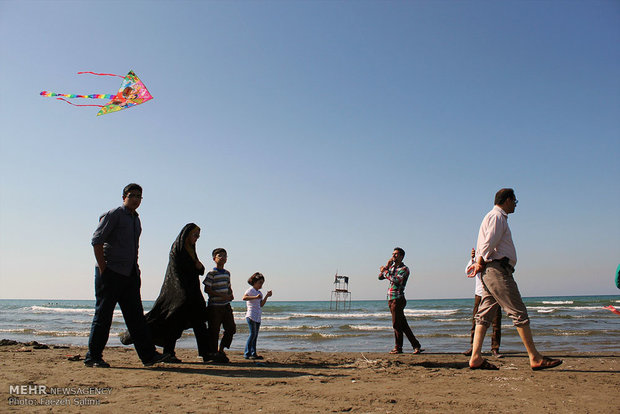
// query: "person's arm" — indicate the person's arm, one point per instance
point(248, 297)
point(385, 270)
point(107, 224)
point(494, 232)
point(99, 256)
point(469, 268)
point(493, 235)
point(262, 302)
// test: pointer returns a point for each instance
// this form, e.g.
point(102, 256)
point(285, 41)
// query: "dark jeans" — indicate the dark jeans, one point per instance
point(400, 325)
point(220, 316)
point(250, 346)
point(202, 338)
point(496, 338)
point(112, 288)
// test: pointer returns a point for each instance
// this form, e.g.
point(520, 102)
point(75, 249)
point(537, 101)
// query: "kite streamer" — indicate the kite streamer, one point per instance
point(131, 93)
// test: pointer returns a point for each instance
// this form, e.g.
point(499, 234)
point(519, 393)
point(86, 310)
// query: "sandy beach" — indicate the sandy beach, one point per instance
point(304, 382)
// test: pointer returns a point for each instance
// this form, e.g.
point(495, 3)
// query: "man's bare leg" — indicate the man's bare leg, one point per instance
point(476, 347)
point(526, 336)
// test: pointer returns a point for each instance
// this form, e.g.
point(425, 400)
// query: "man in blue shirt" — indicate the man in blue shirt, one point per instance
point(117, 280)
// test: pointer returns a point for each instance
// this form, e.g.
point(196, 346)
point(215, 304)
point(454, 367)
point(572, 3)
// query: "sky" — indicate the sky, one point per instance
point(312, 137)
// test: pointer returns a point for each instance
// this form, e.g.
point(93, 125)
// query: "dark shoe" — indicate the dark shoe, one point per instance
point(257, 357)
point(99, 363)
point(156, 359)
point(125, 338)
point(547, 363)
point(468, 352)
point(496, 353)
point(208, 358)
point(221, 358)
point(486, 365)
point(173, 360)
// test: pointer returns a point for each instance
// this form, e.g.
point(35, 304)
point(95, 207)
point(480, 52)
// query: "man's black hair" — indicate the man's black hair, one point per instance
point(504, 194)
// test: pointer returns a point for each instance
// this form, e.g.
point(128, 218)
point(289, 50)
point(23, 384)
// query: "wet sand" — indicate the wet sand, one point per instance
point(305, 383)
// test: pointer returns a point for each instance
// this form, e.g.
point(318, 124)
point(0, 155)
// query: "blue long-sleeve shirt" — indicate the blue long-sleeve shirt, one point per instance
point(119, 231)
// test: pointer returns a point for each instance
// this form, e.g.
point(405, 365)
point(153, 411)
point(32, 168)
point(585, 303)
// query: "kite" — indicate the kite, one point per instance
point(131, 93)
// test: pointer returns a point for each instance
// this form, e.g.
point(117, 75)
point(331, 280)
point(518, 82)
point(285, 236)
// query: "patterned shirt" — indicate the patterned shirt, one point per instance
point(398, 279)
point(218, 280)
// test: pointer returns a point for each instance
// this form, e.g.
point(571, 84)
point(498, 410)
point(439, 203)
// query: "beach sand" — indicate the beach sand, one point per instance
point(309, 382)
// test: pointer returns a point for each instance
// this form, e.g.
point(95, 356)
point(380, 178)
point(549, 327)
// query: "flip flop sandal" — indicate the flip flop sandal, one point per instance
point(486, 365)
point(418, 351)
point(396, 351)
point(547, 363)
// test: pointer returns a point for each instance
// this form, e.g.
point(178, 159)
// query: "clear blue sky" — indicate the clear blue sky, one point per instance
point(313, 136)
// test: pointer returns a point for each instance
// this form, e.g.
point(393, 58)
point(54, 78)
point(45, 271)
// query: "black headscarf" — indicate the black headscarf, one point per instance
point(180, 299)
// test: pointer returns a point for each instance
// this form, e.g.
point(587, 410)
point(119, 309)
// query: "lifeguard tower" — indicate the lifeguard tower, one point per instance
point(341, 297)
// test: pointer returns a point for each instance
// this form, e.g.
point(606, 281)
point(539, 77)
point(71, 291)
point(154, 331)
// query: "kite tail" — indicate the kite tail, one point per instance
point(70, 95)
point(71, 103)
point(101, 74)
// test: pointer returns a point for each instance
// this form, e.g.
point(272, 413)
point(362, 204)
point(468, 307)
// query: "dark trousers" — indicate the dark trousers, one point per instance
point(202, 338)
point(220, 316)
point(496, 338)
point(400, 325)
point(112, 288)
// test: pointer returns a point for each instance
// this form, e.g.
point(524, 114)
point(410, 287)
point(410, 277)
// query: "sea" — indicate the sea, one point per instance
point(559, 324)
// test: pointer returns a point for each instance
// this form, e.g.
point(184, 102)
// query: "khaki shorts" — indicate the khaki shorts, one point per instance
point(500, 290)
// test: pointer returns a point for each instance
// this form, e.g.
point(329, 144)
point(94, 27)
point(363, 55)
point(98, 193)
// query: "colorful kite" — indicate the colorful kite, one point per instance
point(131, 93)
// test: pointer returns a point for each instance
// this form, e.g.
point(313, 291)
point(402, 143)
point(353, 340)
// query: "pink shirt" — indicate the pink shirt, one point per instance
point(495, 238)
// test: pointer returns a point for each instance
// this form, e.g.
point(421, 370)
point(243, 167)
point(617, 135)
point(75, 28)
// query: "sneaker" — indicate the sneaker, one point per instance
point(156, 359)
point(96, 363)
point(257, 357)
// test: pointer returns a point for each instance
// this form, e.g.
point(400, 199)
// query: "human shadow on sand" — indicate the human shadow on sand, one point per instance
point(243, 370)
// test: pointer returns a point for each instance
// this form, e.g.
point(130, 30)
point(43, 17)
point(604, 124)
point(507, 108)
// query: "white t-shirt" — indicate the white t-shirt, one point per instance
point(479, 290)
point(254, 309)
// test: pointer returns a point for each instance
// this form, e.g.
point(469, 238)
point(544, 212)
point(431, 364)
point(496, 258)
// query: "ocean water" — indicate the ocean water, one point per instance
point(566, 323)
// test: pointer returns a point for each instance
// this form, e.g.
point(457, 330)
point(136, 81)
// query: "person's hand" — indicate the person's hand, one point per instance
point(268, 294)
point(474, 269)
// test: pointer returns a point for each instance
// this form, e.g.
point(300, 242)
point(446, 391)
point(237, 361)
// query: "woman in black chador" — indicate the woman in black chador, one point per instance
point(180, 304)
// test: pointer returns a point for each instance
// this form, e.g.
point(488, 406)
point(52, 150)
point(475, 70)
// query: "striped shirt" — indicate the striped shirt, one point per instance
point(218, 280)
point(398, 277)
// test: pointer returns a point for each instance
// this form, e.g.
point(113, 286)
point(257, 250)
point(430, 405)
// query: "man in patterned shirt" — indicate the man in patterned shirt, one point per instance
point(219, 311)
point(397, 273)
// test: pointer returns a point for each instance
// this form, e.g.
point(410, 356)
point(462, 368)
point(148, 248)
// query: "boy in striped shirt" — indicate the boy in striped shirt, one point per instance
point(219, 311)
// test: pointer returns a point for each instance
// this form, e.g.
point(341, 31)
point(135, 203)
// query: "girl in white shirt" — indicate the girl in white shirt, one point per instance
point(254, 302)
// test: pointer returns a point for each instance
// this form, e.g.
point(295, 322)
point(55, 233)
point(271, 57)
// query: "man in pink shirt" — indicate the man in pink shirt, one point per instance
point(496, 258)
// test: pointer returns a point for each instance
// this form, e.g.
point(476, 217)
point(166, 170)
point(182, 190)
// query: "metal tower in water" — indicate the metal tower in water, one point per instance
point(341, 297)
